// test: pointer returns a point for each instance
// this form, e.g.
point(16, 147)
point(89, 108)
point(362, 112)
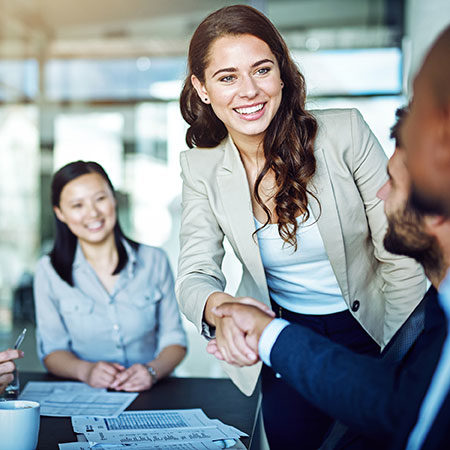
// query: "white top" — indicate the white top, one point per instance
point(301, 281)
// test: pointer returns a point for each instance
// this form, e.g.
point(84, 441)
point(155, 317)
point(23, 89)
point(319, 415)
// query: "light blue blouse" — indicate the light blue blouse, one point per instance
point(130, 325)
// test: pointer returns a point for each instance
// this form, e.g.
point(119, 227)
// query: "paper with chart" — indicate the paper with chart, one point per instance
point(70, 398)
point(183, 429)
point(143, 420)
point(206, 445)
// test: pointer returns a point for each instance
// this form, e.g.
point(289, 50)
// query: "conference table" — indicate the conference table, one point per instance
point(217, 397)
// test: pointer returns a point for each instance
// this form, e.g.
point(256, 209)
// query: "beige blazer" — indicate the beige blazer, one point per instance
point(351, 167)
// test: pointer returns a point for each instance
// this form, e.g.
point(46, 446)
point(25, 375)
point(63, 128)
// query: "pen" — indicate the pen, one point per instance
point(20, 339)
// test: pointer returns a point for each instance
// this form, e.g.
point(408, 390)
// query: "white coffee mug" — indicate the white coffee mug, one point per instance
point(19, 424)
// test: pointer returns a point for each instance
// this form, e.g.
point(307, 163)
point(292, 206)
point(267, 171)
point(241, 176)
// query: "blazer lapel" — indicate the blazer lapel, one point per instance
point(328, 220)
point(235, 195)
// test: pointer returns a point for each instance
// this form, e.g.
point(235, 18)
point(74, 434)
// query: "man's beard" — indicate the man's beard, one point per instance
point(406, 236)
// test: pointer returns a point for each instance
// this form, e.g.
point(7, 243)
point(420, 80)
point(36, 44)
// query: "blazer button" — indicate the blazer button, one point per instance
point(355, 306)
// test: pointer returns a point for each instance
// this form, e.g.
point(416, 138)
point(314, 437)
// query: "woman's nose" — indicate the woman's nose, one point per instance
point(248, 88)
point(92, 210)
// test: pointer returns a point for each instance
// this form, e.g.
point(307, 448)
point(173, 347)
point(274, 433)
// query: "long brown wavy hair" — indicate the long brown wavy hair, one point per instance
point(289, 140)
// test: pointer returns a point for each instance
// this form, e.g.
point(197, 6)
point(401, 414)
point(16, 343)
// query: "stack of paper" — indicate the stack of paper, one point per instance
point(72, 398)
point(188, 429)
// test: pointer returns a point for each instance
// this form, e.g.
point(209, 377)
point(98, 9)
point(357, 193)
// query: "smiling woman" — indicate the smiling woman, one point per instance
point(105, 306)
point(243, 86)
point(88, 207)
point(294, 191)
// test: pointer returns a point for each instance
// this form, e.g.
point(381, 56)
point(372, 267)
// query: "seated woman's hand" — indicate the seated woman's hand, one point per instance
point(134, 379)
point(102, 374)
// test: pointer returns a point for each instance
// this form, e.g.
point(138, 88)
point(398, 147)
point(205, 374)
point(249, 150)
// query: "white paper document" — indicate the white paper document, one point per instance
point(201, 445)
point(70, 398)
point(75, 446)
point(164, 436)
point(143, 420)
point(188, 429)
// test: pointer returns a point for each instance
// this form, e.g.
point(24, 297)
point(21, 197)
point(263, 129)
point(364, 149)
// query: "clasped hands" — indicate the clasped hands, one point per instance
point(239, 325)
point(115, 376)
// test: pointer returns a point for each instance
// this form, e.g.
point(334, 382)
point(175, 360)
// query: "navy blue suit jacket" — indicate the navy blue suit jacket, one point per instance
point(377, 399)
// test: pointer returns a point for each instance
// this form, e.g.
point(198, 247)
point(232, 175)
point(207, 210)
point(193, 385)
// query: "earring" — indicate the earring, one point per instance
point(282, 84)
point(206, 99)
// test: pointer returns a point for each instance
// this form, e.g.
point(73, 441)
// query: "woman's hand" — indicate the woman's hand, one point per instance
point(134, 379)
point(102, 374)
point(230, 344)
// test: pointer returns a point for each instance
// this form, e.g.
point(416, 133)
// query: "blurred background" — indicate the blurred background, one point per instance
point(99, 80)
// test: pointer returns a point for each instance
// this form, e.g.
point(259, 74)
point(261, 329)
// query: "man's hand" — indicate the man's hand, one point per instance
point(134, 379)
point(7, 366)
point(250, 321)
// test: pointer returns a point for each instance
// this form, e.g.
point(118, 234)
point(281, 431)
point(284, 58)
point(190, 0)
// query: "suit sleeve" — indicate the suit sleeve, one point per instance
point(201, 251)
point(404, 281)
point(360, 391)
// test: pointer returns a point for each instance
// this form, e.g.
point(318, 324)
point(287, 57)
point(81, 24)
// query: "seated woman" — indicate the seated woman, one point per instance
point(105, 306)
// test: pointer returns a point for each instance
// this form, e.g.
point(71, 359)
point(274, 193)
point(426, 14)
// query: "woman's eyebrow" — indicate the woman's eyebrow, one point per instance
point(227, 69)
point(233, 69)
point(262, 61)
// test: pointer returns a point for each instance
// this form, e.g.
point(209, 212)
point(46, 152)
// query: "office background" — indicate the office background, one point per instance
point(99, 80)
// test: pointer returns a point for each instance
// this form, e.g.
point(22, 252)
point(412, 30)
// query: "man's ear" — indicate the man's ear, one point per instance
point(442, 134)
point(200, 88)
point(59, 214)
point(434, 222)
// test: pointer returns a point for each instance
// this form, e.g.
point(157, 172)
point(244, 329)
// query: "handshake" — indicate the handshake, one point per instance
point(239, 325)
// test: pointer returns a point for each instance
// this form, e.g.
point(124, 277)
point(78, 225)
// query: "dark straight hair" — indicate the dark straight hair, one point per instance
point(65, 244)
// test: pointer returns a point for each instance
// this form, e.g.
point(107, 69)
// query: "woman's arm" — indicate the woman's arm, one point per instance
point(138, 377)
point(53, 338)
point(167, 360)
point(97, 374)
point(201, 251)
point(51, 332)
point(200, 282)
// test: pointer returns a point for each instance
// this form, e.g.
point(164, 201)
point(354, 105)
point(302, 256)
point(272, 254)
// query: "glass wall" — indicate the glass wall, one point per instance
point(123, 112)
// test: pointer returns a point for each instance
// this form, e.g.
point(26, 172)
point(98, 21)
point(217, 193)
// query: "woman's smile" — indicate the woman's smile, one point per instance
point(251, 112)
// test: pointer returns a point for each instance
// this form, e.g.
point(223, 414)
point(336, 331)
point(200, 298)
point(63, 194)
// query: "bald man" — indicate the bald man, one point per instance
point(426, 136)
point(426, 132)
point(377, 399)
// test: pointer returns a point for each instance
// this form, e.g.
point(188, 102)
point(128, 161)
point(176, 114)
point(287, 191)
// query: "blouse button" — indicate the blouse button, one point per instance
point(355, 305)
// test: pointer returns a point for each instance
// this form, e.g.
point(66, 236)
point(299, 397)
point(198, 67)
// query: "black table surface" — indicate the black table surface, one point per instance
point(217, 397)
